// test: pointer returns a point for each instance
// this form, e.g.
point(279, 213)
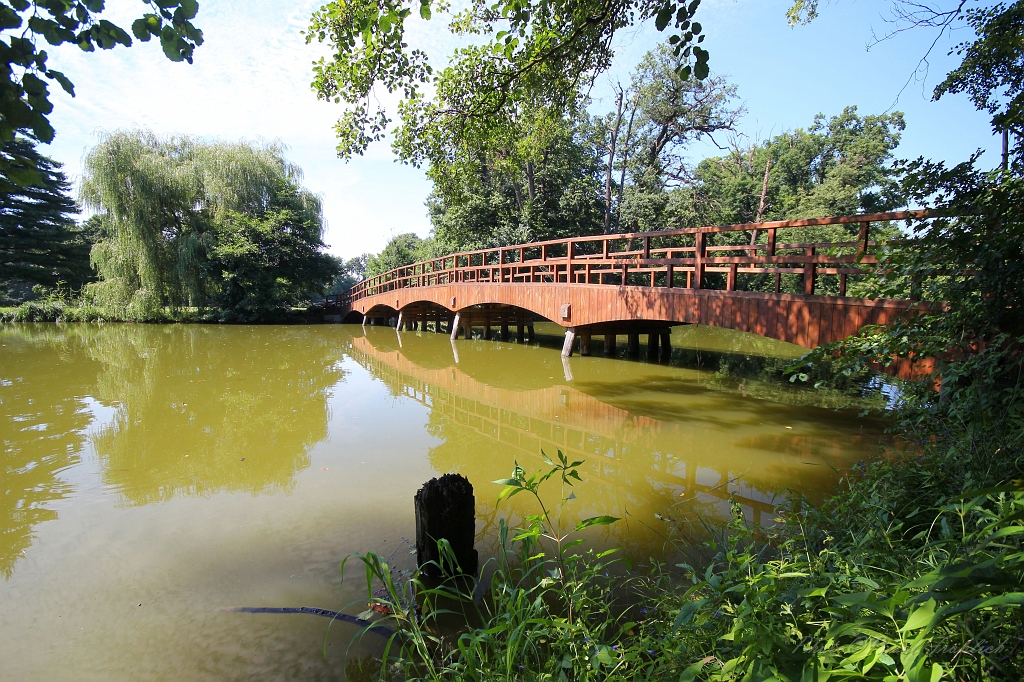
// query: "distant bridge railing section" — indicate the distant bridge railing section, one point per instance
point(667, 258)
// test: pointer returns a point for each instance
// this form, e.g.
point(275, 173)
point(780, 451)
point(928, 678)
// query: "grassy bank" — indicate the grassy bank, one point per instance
point(912, 570)
point(57, 309)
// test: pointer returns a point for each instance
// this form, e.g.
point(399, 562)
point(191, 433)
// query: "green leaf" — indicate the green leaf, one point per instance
point(921, 616)
point(691, 673)
point(663, 17)
point(686, 613)
point(140, 27)
point(508, 481)
point(68, 86)
point(425, 11)
point(190, 8)
point(596, 521)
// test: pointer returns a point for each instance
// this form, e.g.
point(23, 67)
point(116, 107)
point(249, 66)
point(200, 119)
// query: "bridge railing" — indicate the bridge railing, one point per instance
point(667, 258)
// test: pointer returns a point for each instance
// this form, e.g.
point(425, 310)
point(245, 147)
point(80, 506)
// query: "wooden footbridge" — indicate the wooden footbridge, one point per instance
point(763, 278)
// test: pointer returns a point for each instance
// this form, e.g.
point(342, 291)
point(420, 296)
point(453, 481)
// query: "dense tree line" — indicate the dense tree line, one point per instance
point(219, 231)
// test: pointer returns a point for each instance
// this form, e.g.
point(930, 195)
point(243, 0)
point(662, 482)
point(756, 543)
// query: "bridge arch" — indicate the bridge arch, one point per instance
point(806, 321)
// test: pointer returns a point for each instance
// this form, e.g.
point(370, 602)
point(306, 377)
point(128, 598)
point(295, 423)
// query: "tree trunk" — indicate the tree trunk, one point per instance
point(625, 161)
point(764, 196)
point(611, 162)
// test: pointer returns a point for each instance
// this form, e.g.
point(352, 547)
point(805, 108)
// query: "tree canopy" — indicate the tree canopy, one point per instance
point(523, 56)
point(840, 165)
point(190, 223)
point(541, 183)
point(39, 241)
point(403, 249)
point(24, 94)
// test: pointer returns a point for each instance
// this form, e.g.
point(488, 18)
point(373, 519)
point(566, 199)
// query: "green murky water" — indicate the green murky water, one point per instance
point(153, 475)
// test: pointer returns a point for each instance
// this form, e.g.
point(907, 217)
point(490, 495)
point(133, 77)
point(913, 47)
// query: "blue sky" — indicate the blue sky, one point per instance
point(251, 80)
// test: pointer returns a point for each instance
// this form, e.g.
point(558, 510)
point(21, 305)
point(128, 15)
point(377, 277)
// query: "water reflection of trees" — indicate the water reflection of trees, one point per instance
point(43, 385)
point(656, 440)
point(205, 409)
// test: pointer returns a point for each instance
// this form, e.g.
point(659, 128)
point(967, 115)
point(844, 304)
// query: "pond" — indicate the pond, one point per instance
point(155, 475)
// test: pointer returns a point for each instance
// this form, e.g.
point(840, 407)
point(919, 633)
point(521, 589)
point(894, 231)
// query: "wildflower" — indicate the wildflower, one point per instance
point(643, 609)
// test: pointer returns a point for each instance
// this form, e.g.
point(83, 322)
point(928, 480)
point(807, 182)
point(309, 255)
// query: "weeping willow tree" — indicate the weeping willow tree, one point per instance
point(167, 203)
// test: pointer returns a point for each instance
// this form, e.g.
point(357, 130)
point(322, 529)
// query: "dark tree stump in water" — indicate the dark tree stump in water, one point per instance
point(446, 509)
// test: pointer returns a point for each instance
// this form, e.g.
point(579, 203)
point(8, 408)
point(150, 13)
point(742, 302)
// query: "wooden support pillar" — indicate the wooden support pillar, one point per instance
point(666, 344)
point(398, 325)
point(487, 330)
point(455, 327)
point(364, 321)
point(652, 346)
point(570, 337)
point(504, 331)
point(529, 333)
point(633, 345)
point(609, 345)
point(520, 333)
point(446, 510)
point(467, 330)
point(585, 344)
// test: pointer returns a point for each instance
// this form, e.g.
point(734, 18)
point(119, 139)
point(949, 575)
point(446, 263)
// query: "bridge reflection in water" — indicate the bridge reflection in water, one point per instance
point(658, 442)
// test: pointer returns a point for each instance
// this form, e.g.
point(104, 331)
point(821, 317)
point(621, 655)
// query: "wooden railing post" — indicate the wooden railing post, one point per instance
point(670, 273)
point(730, 282)
point(698, 260)
point(809, 273)
point(568, 263)
point(862, 239)
point(770, 250)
